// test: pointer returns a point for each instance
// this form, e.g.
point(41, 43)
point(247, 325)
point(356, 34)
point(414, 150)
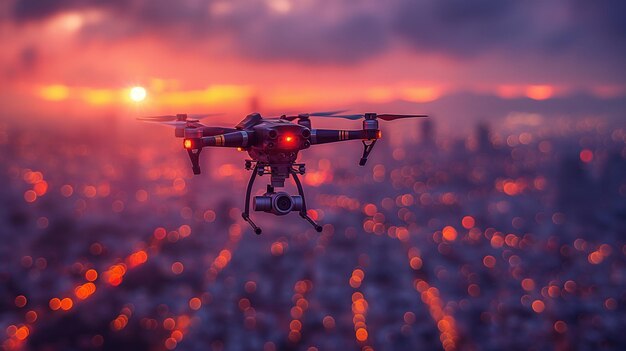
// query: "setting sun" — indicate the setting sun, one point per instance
point(137, 94)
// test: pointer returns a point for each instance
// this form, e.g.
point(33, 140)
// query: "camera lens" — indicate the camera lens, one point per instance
point(283, 203)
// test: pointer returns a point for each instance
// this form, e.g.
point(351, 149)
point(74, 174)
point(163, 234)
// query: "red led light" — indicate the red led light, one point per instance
point(288, 138)
point(187, 144)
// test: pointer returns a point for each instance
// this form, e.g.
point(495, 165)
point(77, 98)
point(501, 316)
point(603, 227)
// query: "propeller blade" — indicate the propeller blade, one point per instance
point(203, 115)
point(168, 118)
point(326, 113)
point(384, 116)
point(316, 114)
point(352, 117)
point(164, 118)
point(176, 123)
point(391, 117)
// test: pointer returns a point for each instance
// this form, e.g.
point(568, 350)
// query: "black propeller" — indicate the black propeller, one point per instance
point(383, 116)
point(317, 114)
point(178, 118)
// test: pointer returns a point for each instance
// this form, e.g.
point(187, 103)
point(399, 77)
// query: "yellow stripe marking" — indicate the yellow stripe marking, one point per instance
point(219, 140)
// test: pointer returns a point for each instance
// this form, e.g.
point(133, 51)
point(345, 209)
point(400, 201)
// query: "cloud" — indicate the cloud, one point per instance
point(345, 31)
point(471, 28)
point(297, 38)
point(34, 10)
point(459, 28)
point(601, 21)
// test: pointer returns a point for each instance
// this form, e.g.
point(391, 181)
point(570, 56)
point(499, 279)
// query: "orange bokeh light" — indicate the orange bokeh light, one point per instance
point(169, 323)
point(31, 316)
point(177, 268)
point(468, 222)
point(85, 290)
point(528, 284)
point(91, 275)
point(560, 327)
point(595, 257)
point(137, 258)
point(416, 263)
point(115, 274)
point(54, 304)
point(20, 301)
point(30, 196)
point(160, 233)
point(449, 233)
point(41, 188)
point(538, 306)
point(195, 303)
point(170, 343)
point(370, 209)
point(67, 304)
point(489, 261)
point(22, 332)
point(361, 334)
point(277, 249)
point(295, 325)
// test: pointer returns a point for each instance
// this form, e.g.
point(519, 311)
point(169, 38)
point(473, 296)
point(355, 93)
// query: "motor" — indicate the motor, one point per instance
point(279, 203)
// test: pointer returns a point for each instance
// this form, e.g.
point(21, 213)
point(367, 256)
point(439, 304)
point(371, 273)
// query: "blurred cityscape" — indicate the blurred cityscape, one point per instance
point(495, 239)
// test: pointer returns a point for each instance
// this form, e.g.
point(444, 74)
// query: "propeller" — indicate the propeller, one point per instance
point(383, 116)
point(391, 117)
point(177, 118)
point(178, 123)
point(352, 117)
point(317, 114)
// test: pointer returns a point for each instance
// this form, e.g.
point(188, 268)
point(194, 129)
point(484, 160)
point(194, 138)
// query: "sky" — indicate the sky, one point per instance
point(64, 56)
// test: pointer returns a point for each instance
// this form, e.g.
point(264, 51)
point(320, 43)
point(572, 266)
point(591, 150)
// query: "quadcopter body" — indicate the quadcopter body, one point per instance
point(273, 145)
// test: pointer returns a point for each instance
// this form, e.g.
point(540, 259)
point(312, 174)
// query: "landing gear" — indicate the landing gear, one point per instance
point(246, 212)
point(194, 156)
point(303, 213)
point(367, 148)
point(264, 168)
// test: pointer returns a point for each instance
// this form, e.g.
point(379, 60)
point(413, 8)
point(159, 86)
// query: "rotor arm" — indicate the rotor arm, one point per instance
point(194, 144)
point(212, 131)
point(324, 136)
point(198, 130)
point(234, 139)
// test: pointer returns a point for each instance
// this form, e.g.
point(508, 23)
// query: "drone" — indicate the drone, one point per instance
point(273, 145)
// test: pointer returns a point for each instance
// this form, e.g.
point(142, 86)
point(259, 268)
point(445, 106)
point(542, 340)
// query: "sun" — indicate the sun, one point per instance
point(137, 94)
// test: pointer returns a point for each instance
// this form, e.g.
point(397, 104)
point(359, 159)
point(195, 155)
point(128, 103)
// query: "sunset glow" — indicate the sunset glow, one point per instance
point(137, 94)
point(539, 92)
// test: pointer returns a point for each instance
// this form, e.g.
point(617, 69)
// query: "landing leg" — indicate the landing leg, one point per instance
point(303, 213)
point(367, 148)
point(194, 156)
point(246, 212)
